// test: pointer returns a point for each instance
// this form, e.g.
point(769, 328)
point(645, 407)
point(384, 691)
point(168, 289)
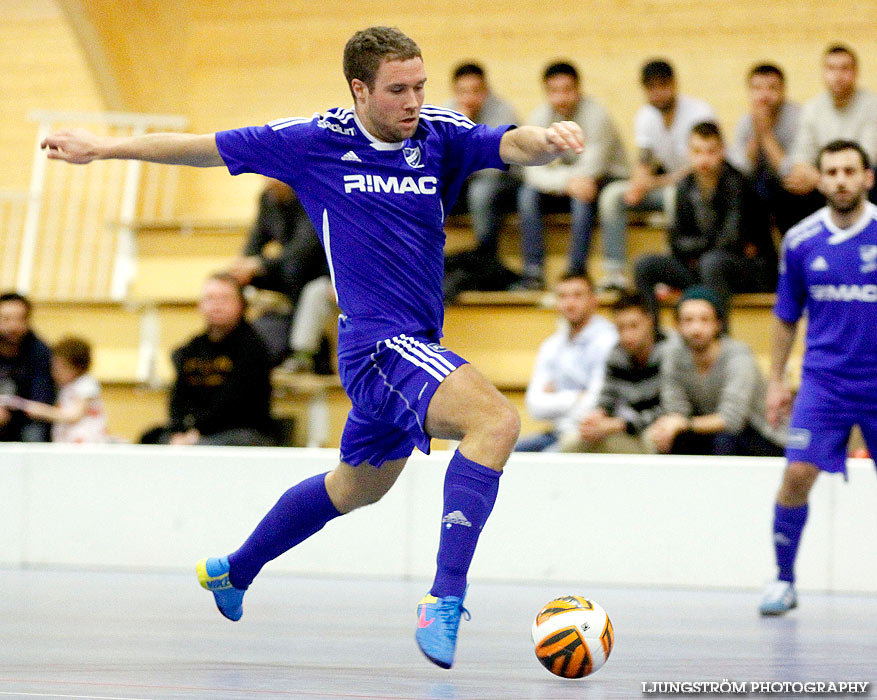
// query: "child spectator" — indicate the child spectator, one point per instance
point(78, 414)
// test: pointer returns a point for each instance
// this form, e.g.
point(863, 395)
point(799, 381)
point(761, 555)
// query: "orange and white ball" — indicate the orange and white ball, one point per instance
point(573, 636)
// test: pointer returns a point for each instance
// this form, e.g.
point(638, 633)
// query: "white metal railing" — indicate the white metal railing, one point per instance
point(77, 239)
point(13, 207)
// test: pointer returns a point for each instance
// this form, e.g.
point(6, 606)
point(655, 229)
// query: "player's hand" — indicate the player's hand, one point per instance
point(777, 402)
point(565, 136)
point(583, 189)
point(77, 146)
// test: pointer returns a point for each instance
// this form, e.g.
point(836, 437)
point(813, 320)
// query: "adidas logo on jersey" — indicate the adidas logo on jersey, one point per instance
point(350, 155)
point(390, 185)
point(456, 518)
point(819, 264)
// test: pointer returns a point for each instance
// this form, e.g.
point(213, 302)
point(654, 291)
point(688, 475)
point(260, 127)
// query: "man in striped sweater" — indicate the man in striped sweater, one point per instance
point(630, 400)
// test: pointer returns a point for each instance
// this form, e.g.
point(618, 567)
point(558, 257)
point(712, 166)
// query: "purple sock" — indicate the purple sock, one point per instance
point(300, 512)
point(470, 492)
point(788, 523)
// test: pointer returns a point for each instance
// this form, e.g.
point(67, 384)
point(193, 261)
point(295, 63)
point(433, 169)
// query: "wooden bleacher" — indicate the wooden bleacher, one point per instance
point(499, 332)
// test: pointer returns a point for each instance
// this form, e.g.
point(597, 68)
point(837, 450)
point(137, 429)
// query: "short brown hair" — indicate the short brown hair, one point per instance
point(843, 145)
point(842, 48)
point(577, 275)
point(75, 351)
point(367, 48)
point(231, 281)
point(707, 130)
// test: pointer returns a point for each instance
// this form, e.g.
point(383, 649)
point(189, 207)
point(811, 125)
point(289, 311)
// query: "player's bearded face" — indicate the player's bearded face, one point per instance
point(391, 111)
point(843, 180)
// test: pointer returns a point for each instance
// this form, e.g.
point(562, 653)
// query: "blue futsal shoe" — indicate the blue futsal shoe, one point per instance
point(437, 623)
point(213, 575)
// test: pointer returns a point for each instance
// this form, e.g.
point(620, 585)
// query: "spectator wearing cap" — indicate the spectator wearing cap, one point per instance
point(661, 129)
point(712, 392)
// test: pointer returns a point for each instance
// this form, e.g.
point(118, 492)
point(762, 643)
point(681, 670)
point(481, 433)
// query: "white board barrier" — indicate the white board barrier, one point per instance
point(589, 519)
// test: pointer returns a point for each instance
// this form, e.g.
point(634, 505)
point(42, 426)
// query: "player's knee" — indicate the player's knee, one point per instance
point(797, 482)
point(347, 492)
point(503, 426)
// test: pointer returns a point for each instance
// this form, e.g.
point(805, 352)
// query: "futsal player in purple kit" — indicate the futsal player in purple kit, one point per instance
point(828, 270)
point(377, 181)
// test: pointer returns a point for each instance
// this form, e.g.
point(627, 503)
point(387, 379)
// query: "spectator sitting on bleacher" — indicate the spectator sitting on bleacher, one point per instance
point(570, 365)
point(631, 397)
point(222, 392)
point(282, 254)
point(844, 111)
point(661, 130)
point(78, 414)
point(763, 144)
point(25, 371)
point(720, 235)
point(488, 195)
point(712, 391)
point(572, 182)
point(309, 349)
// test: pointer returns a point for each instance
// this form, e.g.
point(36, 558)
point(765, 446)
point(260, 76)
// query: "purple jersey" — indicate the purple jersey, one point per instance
point(379, 207)
point(832, 273)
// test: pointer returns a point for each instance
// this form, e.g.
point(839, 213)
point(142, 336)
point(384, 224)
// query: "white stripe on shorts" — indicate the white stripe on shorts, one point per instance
point(413, 348)
point(418, 348)
point(430, 369)
point(429, 351)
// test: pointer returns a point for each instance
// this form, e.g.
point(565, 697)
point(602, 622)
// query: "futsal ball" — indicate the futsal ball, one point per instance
point(573, 636)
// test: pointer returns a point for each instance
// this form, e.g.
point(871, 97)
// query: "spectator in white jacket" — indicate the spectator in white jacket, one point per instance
point(570, 366)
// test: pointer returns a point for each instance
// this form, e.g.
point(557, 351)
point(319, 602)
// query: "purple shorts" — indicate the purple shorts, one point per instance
point(820, 426)
point(390, 387)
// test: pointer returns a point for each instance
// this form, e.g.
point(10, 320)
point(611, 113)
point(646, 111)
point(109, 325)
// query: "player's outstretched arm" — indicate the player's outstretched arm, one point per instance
point(533, 145)
point(81, 146)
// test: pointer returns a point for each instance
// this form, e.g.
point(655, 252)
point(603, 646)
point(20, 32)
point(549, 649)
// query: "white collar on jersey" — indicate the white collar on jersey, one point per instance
point(839, 235)
point(375, 143)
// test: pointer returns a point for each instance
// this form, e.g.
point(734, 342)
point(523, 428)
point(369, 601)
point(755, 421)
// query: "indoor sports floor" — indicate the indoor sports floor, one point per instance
point(126, 636)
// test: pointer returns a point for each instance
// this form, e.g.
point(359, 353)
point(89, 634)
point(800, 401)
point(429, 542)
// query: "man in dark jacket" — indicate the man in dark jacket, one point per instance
point(720, 236)
point(25, 371)
point(282, 254)
point(222, 392)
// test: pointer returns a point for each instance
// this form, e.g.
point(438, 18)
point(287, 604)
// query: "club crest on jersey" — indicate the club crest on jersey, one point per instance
point(869, 258)
point(413, 157)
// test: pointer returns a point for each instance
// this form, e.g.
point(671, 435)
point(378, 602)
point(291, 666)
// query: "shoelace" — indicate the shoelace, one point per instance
point(448, 610)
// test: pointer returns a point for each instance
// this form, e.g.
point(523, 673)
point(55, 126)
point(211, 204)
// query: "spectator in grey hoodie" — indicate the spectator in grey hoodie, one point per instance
point(712, 392)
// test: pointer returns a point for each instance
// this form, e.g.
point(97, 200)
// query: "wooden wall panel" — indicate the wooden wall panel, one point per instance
point(42, 67)
point(228, 63)
point(251, 63)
